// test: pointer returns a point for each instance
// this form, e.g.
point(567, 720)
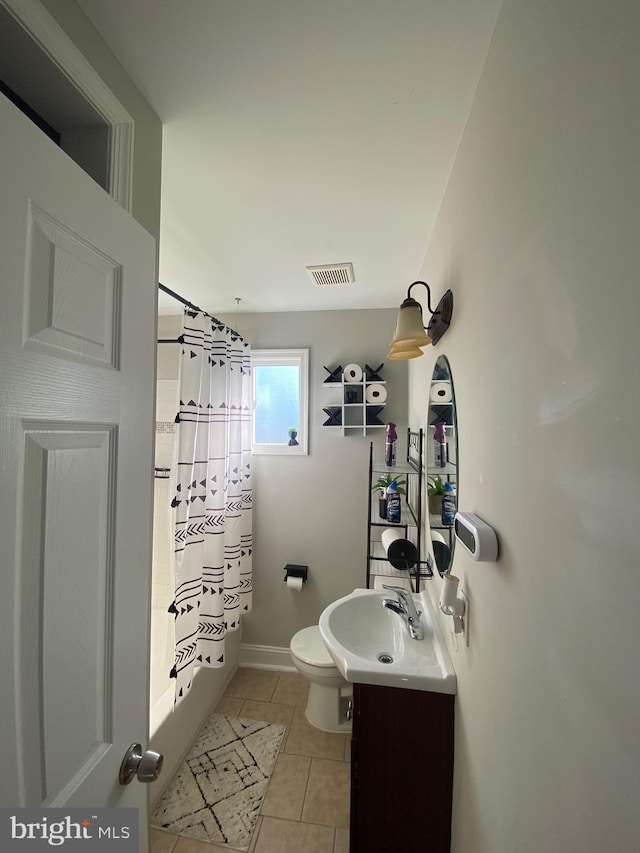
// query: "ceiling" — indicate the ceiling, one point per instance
point(300, 132)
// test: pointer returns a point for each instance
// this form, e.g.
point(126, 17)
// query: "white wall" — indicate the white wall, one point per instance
point(313, 509)
point(538, 238)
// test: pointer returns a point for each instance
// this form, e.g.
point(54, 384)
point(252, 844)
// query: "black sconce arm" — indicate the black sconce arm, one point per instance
point(413, 284)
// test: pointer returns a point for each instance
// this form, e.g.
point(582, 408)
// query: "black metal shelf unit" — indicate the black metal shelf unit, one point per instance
point(410, 525)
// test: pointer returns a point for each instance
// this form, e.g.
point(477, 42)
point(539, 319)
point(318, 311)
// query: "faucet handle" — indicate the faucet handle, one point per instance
point(400, 590)
point(405, 597)
point(406, 608)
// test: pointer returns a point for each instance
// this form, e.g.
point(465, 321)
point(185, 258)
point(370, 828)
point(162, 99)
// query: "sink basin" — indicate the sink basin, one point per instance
point(371, 645)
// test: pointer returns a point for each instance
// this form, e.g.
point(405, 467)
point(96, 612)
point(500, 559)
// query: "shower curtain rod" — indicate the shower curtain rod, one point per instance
point(188, 304)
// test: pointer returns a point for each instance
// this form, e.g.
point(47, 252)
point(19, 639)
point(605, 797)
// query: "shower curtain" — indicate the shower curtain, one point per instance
point(212, 497)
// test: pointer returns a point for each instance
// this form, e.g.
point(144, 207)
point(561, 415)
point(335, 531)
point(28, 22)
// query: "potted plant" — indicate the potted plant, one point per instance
point(293, 435)
point(435, 493)
point(382, 483)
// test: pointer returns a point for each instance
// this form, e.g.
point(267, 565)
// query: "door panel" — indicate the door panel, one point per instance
point(69, 475)
point(77, 353)
point(72, 292)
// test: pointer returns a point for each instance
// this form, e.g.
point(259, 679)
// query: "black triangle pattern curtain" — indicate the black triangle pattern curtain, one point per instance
point(212, 496)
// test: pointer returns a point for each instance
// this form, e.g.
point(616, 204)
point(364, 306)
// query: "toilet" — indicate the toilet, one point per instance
point(329, 692)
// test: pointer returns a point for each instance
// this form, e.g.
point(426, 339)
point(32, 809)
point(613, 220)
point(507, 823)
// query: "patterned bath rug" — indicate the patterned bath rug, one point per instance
point(217, 792)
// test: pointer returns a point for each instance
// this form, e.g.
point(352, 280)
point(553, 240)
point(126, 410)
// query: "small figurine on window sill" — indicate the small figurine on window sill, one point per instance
point(293, 434)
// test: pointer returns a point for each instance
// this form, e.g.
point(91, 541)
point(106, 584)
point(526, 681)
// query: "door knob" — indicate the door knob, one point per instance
point(144, 766)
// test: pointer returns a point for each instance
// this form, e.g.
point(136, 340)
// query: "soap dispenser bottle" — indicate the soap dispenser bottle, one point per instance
point(440, 445)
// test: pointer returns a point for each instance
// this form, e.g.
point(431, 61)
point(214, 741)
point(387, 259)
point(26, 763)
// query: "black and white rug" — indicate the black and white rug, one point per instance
point(217, 792)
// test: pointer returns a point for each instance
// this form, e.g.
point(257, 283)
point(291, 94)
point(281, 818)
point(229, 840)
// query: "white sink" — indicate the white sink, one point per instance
point(371, 645)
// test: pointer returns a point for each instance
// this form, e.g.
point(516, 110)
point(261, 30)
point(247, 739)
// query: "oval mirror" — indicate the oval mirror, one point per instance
point(442, 464)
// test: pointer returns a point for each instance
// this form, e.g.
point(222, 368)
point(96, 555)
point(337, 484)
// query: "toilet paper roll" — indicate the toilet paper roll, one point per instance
point(294, 583)
point(401, 553)
point(440, 392)
point(442, 554)
point(352, 373)
point(390, 535)
point(375, 393)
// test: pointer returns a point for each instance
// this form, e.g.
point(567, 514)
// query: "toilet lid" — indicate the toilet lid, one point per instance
point(309, 646)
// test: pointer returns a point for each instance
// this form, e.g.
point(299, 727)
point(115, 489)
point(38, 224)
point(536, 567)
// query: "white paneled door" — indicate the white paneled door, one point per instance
point(77, 330)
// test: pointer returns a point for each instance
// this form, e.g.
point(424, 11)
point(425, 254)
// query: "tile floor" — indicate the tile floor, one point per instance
point(306, 807)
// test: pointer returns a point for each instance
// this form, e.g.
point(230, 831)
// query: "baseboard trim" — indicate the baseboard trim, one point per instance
point(266, 657)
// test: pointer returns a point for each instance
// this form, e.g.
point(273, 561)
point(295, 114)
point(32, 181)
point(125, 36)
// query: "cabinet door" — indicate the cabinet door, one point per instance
point(402, 770)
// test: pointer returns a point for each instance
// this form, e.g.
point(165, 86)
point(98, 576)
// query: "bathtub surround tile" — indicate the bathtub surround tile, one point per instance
point(291, 689)
point(270, 712)
point(327, 800)
point(285, 836)
point(287, 787)
point(305, 739)
point(253, 684)
point(160, 595)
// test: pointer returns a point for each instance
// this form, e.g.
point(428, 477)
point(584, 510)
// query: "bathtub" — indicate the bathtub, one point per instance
point(162, 656)
point(172, 729)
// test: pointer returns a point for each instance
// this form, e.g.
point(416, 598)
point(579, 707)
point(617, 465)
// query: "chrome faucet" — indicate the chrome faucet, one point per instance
point(405, 608)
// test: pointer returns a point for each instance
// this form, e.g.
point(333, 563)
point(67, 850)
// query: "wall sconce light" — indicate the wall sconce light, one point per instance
point(411, 334)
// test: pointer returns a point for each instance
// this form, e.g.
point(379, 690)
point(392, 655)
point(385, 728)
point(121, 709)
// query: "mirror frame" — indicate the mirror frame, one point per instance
point(442, 368)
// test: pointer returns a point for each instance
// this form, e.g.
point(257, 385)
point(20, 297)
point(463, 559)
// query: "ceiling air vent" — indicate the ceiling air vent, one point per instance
point(331, 274)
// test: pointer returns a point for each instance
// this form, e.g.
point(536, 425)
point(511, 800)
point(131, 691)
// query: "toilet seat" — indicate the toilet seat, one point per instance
point(309, 647)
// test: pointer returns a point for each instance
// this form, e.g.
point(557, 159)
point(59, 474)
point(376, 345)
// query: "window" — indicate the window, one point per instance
point(280, 401)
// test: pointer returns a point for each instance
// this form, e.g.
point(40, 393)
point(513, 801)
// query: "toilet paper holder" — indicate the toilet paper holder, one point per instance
point(293, 571)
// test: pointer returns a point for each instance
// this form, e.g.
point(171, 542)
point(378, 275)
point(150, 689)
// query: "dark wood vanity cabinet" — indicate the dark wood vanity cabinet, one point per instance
point(401, 770)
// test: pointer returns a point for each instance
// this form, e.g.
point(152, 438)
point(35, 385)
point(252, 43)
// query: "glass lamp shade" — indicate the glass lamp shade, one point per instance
point(410, 331)
point(403, 353)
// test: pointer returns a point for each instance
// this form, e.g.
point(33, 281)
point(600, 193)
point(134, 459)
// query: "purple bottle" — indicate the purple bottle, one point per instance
point(440, 445)
point(390, 446)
